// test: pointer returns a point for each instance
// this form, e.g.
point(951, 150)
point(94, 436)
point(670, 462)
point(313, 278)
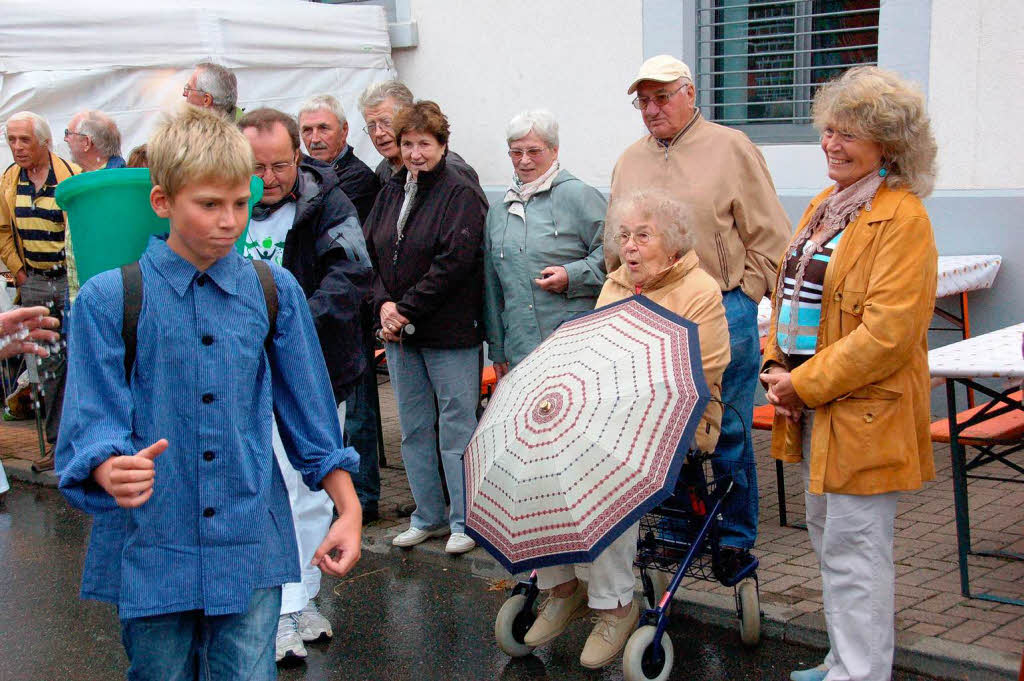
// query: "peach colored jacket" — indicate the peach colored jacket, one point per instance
point(868, 382)
point(690, 292)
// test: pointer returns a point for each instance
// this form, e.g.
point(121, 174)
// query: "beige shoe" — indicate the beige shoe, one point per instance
point(609, 637)
point(556, 614)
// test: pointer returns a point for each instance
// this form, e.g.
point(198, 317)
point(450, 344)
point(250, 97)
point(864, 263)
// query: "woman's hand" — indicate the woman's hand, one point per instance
point(781, 393)
point(500, 369)
point(553, 279)
point(391, 322)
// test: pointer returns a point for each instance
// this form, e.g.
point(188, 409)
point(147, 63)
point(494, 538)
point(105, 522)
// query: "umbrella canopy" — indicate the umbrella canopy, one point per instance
point(585, 435)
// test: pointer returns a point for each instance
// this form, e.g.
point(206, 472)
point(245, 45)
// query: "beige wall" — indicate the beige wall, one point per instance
point(976, 93)
point(484, 61)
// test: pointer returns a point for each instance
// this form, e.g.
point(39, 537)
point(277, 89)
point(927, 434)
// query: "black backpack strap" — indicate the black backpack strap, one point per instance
point(131, 279)
point(266, 277)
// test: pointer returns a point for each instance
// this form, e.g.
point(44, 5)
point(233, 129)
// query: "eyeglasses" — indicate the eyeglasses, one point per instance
point(276, 168)
point(534, 153)
point(69, 133)
point(661, 99)
point(383, 124)
point(184, 93)
point(640, 238)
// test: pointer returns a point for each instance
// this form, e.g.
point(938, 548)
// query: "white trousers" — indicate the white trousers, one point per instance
point(853, 538)
point(312, 513)
point(3, 479)
point(611, 580)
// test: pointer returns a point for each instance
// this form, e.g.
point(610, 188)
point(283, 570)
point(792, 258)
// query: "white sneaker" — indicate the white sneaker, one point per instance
point(312, 625)
point(289, 643)
point(459, 543)
point(415, 535)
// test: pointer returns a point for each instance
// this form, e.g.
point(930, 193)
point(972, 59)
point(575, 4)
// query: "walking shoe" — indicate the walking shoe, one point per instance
point(415, 535)
point(731, 563)
point(45, 463)
point(459, 543)
point(405, 510)
point(556, 614)
point(609, 637)
point(289, 643)
point(816, 674)
point(371, 514)
point(312, 626)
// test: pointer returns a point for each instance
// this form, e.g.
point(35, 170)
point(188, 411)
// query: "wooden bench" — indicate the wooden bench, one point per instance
point(1004, 429)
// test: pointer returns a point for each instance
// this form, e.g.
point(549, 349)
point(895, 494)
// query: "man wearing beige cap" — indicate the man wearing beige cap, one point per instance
point(741, 233)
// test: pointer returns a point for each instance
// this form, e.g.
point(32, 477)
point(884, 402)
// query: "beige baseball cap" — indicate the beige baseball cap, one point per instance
point(663, 69)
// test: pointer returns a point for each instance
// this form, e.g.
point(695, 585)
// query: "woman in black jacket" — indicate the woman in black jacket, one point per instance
point(424, 236)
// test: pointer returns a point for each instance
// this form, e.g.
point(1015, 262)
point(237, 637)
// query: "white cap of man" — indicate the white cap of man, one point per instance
point(661, 69)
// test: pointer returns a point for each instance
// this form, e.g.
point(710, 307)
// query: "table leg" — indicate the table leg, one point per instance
point(966, 333)
point(963, 521)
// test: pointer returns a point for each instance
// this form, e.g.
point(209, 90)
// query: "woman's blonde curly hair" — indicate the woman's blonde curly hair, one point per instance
point(879, 105)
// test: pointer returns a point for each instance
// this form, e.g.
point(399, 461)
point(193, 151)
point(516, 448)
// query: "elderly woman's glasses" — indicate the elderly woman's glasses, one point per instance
point(533, 152)
point(661, 99)
point(383, 124)
point(640, 238)
point(276, 168)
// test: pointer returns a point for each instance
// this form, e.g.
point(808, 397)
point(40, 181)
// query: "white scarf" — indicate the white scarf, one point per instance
point(519, 193)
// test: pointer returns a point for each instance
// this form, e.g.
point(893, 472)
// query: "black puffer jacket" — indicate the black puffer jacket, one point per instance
point(436, 275)
point(326, 252)
point(355, 178)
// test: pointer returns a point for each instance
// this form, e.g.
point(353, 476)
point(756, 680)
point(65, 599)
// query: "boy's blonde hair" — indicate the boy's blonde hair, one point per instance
point(196, 144)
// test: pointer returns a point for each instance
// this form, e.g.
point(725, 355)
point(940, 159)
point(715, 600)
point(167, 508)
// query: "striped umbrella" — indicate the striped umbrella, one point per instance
point(585, 435)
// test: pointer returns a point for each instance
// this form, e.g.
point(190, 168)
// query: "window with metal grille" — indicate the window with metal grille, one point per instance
point(759, 62)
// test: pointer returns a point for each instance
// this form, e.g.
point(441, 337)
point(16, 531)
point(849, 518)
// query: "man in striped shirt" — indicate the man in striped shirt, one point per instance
point(32, 243)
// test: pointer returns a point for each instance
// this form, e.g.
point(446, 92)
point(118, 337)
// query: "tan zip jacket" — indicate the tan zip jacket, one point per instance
point(739, 224)
point(688, 291)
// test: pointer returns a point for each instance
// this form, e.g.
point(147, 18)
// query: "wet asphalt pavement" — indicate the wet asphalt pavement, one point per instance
point(394, 620)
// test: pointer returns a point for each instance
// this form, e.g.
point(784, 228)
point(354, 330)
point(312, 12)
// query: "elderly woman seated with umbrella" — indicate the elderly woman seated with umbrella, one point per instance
point(650, 232)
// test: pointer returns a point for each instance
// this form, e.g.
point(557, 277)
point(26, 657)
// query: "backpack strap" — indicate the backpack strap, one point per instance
point(266, 277)
point(131, 279)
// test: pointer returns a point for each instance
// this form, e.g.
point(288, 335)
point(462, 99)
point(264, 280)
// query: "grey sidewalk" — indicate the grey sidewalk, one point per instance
point(938, 631)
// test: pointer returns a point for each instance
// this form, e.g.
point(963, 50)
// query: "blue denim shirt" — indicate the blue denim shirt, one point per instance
point(218, 525)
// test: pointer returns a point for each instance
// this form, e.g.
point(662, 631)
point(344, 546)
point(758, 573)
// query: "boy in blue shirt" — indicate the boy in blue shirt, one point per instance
point(192, 534)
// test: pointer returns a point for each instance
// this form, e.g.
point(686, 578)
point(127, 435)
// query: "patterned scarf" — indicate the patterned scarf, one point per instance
point(835, 213)
point(521, 192)
point(403, 214)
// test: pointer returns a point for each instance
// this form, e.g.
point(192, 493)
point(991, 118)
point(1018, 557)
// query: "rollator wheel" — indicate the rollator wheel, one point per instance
point(750, 612)
point(511, 625)
point(639, 662)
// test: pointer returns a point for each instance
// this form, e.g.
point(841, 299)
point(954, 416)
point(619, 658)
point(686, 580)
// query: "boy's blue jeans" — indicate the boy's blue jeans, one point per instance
point(191, 646)
point(735, 450)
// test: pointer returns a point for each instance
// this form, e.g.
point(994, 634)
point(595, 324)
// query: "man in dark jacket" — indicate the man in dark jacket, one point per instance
point(307, 224)
point(324, 131)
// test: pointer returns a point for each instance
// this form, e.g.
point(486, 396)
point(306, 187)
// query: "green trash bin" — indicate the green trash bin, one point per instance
point(110, 219)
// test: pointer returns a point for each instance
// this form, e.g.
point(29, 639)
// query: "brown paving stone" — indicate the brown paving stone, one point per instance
point(969, 632)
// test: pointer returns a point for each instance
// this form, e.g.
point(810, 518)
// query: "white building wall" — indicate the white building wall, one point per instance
point(483, 61)
point(976, 94)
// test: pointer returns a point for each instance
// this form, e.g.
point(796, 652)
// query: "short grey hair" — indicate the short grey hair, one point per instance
point(375, 95)
point(102, 130)
point(672, 218)
point(39, 126)
point(541, 121)
point(318, 102)
point(220, 83)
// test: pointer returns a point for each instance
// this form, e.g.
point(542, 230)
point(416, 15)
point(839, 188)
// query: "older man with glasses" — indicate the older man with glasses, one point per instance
point(305, 223)
point(741, 232)
point(215, 87)
point(94, 140)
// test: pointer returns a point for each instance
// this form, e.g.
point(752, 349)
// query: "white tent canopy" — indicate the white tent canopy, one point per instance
point(131, 60)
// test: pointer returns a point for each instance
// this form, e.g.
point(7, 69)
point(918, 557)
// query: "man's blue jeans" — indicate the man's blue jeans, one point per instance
point(453, 376)
point(735, 450)
point(361, 430)
point(192, 646)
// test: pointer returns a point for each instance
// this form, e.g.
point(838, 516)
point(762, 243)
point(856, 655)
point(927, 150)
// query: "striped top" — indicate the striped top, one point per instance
point(808, 307)
point(40, 223)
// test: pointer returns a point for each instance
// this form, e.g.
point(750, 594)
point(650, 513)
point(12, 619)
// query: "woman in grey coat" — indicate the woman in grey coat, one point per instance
point(543, 258)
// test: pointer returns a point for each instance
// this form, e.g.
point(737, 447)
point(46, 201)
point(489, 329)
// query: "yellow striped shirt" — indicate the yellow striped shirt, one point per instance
point(40, 224)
